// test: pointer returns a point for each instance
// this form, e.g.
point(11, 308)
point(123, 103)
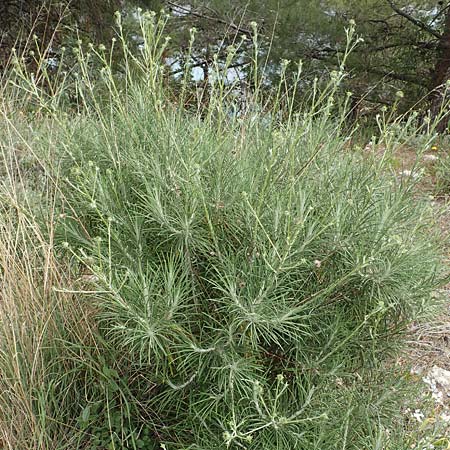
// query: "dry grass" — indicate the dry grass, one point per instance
point(36, 316)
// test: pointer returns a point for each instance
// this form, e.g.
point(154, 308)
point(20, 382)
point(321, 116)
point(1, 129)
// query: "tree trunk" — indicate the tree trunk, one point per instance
point(441, 74)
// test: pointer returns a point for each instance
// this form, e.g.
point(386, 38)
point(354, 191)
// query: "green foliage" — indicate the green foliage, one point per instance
point(244, 267)
point(396, 53)
point(248, 275)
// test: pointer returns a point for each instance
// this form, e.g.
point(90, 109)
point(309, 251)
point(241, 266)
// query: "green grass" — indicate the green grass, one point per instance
point(441, 172)
point(217, 281)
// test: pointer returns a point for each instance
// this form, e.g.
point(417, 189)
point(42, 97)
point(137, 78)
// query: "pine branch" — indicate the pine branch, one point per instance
point(399, 77)
point(413, 20)
point(233, 26)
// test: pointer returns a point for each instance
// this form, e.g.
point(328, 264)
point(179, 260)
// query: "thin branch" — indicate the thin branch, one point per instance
point(397, 76)
point(431, 45)
point(327, 52)
point(413, 20)
point(209, 61)
point(440, 13)
point(233, 26)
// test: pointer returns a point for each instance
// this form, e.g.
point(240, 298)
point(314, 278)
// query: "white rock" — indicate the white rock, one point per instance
point(441, 377)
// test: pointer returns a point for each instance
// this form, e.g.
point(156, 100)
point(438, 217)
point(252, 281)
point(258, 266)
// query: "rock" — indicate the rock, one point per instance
point(441, 377)
point(438, 380)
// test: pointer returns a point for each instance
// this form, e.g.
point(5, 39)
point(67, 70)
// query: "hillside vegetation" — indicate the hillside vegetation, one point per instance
point(201, 275)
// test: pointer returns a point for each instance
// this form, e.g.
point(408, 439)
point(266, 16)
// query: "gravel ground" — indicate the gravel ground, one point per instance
point(427, 356)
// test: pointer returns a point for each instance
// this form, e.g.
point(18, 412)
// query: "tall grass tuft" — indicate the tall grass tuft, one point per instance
point(245, 275)
point(33, 317)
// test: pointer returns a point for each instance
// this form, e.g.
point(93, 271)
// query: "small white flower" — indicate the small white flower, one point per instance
point(418, 415)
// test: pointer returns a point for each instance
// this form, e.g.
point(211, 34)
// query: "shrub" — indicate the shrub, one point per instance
point(250, 275)
point(242, 271)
